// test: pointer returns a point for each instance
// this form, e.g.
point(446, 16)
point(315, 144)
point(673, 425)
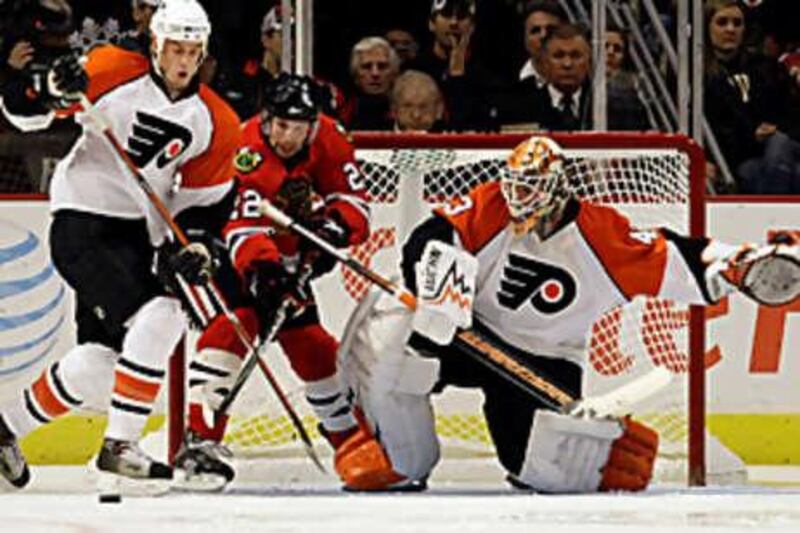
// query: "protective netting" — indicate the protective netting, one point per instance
point(651, 186)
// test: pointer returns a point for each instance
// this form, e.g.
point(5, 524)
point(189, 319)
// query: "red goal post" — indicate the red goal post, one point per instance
point(659, 177)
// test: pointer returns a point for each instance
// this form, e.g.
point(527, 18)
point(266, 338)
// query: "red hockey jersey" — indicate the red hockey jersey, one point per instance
point(328, 173)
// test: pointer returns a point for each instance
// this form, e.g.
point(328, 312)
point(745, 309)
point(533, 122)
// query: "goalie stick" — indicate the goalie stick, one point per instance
point(483, 350)
point(100, 121)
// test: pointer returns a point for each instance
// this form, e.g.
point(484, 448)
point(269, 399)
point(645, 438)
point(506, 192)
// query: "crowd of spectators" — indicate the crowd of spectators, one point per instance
point(471, 65)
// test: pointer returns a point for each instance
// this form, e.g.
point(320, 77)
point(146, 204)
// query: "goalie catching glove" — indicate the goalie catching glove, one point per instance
point(569, 454)
point(770, 275)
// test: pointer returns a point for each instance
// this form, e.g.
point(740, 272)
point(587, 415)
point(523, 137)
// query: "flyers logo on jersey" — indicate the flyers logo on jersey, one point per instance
point(156, 138)
point(548, 288)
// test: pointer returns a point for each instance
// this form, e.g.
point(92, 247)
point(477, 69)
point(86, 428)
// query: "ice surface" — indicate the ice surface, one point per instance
point(61, 500)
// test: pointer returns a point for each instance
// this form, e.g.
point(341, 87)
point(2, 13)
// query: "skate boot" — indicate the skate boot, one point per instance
point(13, 467)
point(202, 465)
point(124, 469)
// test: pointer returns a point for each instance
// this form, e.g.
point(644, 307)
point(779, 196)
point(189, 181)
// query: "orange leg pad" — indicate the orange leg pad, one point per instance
point(632, 458)
point(363, 465)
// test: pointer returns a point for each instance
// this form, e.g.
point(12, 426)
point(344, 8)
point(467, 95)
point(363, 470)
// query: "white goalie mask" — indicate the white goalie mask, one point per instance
point(533, 178)
point(179, 20)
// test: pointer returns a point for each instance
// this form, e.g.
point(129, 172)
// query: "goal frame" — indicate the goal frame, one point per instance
point(696, 402)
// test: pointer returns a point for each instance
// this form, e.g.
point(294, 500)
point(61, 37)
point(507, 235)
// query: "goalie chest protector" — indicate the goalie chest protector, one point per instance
point(543, 296)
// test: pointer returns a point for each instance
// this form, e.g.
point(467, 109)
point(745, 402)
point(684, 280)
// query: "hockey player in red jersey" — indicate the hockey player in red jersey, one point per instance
point(300, 159)
point(105, 235)
point(537, 267)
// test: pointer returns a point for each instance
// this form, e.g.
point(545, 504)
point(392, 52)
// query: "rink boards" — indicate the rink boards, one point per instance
point(753, 398)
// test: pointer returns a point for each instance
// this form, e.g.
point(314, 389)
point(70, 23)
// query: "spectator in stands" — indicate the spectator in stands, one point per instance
point(138, 39)
point(40, 34)
point(374, 65)
point(563, 102)
point(245, 90)
point(405, 45)
point(469, 88)
point(541, 17)
point(626, 110)
point(745, 105)
point(416, 103)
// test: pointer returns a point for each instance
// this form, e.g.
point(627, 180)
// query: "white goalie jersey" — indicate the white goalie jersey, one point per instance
point(544, 295)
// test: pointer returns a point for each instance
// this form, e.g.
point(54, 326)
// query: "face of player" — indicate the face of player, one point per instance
point(726, 29)
point(374, 74)
point(615, 51)
point(179, 62)
point(537, 26)
point(567, 63)
point(272, 42)
point(287, 137)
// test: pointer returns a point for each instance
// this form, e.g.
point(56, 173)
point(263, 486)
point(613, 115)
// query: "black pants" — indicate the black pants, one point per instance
point(507, 408)
point(108, 262)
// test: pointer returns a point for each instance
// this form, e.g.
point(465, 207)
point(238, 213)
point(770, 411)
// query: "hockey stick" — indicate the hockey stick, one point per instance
point(487, 353)
point(100, 121)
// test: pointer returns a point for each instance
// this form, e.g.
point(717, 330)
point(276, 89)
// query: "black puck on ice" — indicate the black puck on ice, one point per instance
point(110, 498)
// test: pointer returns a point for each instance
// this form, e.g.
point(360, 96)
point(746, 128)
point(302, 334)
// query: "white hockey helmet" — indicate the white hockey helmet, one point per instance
point(180, 20)
point(533, 177)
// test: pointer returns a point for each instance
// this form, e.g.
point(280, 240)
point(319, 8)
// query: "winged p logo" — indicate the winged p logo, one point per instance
point(548, 288)
point(156, 138)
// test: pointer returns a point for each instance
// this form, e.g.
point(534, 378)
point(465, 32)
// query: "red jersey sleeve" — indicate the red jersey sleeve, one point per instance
point(338, 178)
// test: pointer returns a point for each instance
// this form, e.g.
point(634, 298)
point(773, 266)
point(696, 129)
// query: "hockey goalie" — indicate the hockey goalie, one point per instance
point(526, 265)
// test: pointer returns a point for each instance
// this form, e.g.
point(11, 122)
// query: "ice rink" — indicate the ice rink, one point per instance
point(287, 505)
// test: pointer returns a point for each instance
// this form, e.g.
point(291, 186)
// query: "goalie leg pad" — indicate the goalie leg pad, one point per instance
point(391, 383)
point(566, 454)
point(363, 465)
point(632, 458)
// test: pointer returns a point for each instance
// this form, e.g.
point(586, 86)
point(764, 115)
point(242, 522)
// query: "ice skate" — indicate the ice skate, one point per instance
point(201, 466)
point(124, 469)
point(13, 467)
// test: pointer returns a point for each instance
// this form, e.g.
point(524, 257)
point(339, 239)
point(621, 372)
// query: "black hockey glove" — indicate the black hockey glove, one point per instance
point(192, 262)
point(332, 229)
point(270, 284)
point(62, 83)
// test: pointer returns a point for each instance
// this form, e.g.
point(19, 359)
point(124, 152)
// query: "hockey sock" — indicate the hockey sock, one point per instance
point(82, 378)
point(152, 336)
point(312, 354)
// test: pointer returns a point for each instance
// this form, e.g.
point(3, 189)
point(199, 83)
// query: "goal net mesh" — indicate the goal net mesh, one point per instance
point(649, 185)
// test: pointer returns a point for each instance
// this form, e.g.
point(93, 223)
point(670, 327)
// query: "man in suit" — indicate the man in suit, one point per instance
point(562, 104)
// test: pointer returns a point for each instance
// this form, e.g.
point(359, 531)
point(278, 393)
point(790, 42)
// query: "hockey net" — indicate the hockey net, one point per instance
point(650, 177)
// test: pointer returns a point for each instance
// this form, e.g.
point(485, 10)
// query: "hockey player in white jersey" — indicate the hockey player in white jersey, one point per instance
point(105, 235)
point(536, 268)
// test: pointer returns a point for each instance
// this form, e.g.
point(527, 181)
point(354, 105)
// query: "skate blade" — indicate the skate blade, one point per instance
point(183, 482)
point(109, 485)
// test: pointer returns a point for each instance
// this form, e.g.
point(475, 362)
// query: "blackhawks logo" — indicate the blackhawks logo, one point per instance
point(247, 160)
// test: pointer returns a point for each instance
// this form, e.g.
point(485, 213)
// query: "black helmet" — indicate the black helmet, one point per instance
point(292, 96)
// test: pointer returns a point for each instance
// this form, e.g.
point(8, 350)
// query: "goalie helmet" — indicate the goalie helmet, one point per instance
point(180, 20)
point(533, 178)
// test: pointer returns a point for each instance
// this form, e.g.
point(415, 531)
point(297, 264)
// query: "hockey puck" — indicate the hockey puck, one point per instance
point(110, 498)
